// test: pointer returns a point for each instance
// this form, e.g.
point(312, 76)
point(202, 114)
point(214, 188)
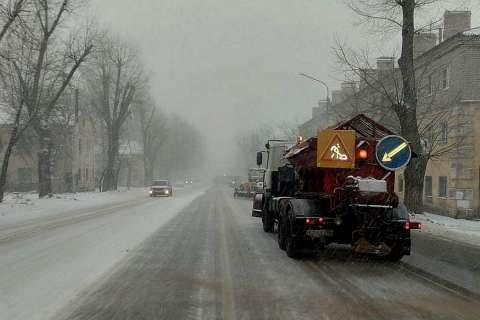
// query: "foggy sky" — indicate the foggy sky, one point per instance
point(226, 65)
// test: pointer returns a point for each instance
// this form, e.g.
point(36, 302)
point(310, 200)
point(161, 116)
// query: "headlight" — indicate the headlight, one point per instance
point(151, 191)
point(166, 191)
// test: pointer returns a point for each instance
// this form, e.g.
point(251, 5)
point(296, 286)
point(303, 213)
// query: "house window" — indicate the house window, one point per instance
point(445, 78)
point(86, 174)
point(442, 186)
point(428, 186)
point(400, 183)
point(430, 85)
point(443, 132)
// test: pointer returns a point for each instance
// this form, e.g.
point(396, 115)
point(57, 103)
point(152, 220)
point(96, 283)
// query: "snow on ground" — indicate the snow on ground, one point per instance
point(19, 206)
point(448, 228)
point(42, 273)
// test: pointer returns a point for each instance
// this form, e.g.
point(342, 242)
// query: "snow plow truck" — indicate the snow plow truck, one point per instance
point(337, 187)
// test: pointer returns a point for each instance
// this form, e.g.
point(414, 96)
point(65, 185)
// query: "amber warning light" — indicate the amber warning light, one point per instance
point(362, 154)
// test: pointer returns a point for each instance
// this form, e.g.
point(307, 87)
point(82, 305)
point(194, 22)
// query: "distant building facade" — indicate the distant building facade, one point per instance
point(73, 162)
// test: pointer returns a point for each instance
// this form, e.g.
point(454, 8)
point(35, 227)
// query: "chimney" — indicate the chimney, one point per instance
point(455, 22)
point(385, 63)
point(337, 96)
point(422, 42)
point(348, 88)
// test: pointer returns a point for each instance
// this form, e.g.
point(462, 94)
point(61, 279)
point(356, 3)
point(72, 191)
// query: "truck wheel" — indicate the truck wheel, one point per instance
point(282, 241)
point(268, 223)
point(395, 255)
point(291, 247)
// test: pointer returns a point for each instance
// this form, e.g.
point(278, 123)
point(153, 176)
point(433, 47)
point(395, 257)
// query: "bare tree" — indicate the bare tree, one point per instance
point(401, 88)
point(10, 12)
point(250, 142)
point(153, 125)
point(52, 67)
point(39, 66)
point(114, 76)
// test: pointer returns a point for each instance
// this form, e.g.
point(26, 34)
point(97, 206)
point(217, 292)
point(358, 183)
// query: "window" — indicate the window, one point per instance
point(445, 78)
point(400, 183)
point(428, 186)
point(443, 138)
point(430, 89)
point(442, 186)
point(86, 174)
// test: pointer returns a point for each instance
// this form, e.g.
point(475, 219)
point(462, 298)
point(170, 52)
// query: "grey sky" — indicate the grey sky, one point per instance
point(228, 64)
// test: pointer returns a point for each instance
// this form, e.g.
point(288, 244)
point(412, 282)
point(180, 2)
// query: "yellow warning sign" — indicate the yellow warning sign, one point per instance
point(336, 149)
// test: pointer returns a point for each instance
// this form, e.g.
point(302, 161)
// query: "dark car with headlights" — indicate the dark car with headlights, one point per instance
point(161, 188)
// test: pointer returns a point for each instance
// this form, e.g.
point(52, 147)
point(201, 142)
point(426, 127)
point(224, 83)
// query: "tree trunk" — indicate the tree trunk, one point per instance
point(407, 112)
point(110, 176)
point(44, 163)
point(6, 159)
point(148, 171)
point(129, 175)
point(414, 177)
point(14, 134)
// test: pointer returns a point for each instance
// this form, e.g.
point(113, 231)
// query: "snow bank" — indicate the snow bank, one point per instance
point(452, 229)
point(20, 206)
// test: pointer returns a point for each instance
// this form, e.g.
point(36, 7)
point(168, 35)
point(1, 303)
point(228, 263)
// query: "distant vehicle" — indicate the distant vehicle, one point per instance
point(161, 188)
point(188, 181)
point(245, 190)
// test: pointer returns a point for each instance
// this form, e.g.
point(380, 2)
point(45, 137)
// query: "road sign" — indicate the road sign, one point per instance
point(336, 149)
point(393, 152)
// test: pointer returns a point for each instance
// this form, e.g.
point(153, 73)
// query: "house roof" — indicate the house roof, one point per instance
point(364, 126)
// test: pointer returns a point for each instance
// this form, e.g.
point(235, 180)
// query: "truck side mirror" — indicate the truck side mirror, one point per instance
point(259, 158)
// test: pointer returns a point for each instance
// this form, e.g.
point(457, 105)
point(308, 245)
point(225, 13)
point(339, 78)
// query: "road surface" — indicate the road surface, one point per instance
point(47, 260)
point(213, 261)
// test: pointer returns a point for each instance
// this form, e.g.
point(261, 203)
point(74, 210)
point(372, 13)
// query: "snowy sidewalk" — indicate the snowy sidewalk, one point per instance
point(461, 230)
point(23, 206)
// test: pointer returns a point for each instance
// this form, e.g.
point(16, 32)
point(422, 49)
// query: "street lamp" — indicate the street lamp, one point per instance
point(320, 81)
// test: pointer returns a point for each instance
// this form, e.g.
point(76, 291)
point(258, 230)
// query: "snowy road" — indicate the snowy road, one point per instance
point(46, 261)
point(213, 261)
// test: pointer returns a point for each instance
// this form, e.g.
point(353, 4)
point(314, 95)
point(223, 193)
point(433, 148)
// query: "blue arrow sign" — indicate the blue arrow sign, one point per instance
point(393, 152)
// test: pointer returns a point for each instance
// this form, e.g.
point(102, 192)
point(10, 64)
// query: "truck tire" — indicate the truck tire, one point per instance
point(268, 223)
point(282, 241)
point(395, 255)
point(291, 247)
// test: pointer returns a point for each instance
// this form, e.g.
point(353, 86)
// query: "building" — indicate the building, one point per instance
point(73, 162)
point(448, 76)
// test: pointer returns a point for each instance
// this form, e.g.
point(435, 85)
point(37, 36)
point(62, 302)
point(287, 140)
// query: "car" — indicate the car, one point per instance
point(161, 188)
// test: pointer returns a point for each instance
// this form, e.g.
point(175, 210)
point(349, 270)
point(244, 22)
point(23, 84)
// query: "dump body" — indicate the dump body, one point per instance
point(303, 158)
